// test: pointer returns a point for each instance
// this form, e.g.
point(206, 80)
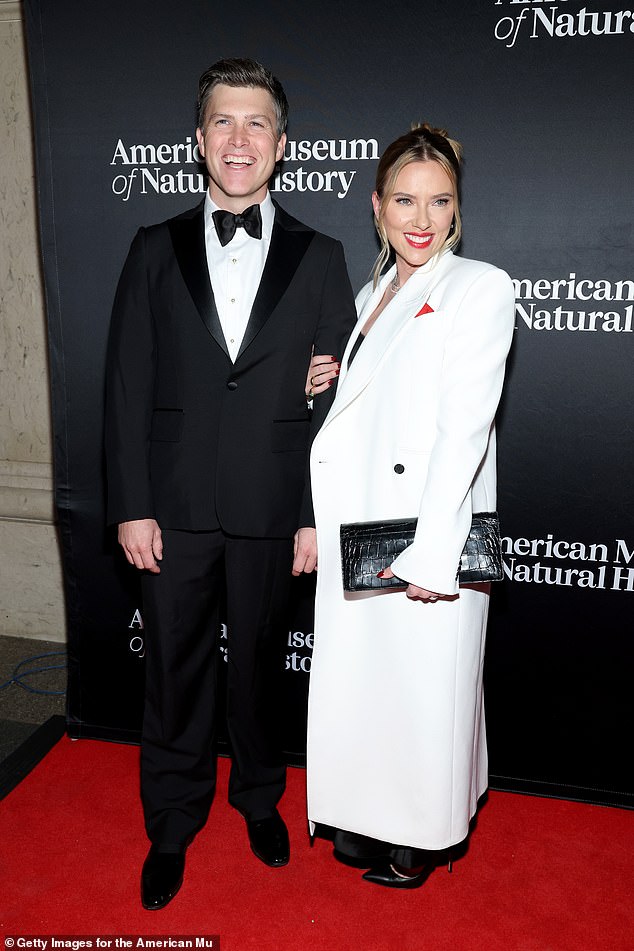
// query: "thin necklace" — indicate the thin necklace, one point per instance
point(395, 284)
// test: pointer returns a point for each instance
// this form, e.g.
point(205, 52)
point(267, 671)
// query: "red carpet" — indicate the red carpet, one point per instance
point(540, 874)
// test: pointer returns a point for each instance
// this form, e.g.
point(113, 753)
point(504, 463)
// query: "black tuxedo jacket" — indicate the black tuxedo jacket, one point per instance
point(192, 439)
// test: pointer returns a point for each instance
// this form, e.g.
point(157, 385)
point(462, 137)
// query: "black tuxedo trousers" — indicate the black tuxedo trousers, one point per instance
point(217, 453)
point(178, 772)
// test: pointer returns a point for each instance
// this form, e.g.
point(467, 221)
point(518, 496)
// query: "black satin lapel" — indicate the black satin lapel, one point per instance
point(284, 257)
point(188, 240)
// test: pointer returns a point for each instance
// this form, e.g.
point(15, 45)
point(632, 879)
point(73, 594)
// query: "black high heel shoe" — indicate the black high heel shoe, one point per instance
point(393, 876)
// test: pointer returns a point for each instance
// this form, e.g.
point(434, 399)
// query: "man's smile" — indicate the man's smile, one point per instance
point(238, 160)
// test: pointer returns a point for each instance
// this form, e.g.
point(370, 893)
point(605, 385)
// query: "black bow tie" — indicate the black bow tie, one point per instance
point(226, 223)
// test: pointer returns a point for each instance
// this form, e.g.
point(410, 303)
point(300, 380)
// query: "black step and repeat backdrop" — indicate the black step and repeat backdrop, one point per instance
point(539, 93)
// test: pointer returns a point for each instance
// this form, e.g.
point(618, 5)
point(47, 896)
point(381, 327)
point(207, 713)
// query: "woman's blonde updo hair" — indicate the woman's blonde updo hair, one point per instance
point(422, 144)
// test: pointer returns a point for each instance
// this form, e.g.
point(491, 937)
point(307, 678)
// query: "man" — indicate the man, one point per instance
point(208, 434)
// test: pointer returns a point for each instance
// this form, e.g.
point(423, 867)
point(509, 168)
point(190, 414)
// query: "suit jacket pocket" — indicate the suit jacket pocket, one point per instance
point(167, 425)
point(290, 435)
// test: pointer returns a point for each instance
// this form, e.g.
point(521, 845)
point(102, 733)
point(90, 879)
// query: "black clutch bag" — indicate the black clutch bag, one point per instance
point(369, 547)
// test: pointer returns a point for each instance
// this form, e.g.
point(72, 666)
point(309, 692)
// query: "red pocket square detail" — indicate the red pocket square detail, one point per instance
point(425, 309)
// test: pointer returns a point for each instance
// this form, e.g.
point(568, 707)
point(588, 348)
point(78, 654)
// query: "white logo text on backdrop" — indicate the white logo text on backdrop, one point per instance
point(539, 18)
point(617, 317)
point(147, 171)
point(563, 558)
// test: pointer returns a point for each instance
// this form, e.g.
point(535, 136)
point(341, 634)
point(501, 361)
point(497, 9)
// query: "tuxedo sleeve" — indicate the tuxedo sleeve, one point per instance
point(130, 370)
point(337, 316)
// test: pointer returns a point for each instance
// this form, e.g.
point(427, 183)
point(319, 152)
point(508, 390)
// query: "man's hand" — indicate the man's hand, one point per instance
point(142, 543)
point(413, 591)
point(305, 551)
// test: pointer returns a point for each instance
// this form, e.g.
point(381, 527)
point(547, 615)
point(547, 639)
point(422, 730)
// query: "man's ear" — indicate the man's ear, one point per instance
point(201, 141)
point(281, 145)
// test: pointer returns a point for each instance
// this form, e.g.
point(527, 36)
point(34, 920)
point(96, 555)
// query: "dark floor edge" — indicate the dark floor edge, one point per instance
point(585, 794)
point(90, 731)
point(20, 763)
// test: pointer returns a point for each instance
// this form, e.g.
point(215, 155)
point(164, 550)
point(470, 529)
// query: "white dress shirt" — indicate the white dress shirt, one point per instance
point(235, 271)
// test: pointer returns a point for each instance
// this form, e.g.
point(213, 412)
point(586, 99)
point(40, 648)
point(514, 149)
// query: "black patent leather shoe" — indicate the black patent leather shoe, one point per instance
point(161, 878)
point(269, 840)
point(386, 874)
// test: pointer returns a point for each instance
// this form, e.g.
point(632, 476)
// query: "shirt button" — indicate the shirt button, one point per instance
point(399, 469)
point(233, 300)
point(232, 385)
point(234, 260)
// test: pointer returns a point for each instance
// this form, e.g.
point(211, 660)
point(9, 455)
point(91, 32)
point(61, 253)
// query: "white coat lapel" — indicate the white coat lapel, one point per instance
point(394, 320)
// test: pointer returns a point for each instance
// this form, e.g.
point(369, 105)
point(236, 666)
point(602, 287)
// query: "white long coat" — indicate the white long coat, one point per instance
point(396, 737)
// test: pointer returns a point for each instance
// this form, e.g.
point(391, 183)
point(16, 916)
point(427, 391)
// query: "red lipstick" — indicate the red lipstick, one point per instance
point(418, 240)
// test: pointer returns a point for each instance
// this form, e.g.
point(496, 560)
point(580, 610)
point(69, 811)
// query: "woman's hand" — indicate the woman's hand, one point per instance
point(413, 591)
point(323, 370)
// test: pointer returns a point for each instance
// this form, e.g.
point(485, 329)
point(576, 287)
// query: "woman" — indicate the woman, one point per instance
point(396, 740)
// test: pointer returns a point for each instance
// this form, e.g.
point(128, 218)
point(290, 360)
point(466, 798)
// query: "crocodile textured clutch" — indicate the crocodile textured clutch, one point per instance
point(369, 547)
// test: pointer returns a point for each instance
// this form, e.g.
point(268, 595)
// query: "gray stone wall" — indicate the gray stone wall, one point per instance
point(31, 599)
